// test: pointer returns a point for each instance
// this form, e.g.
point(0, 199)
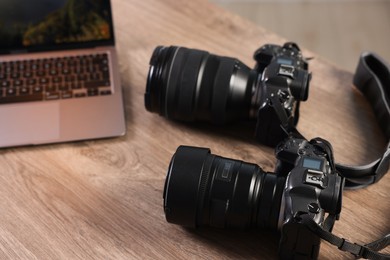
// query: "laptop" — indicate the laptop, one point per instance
point(59, 75)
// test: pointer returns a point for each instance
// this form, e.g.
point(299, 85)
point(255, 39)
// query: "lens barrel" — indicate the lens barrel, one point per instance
point(203, 189)
point(189, 84)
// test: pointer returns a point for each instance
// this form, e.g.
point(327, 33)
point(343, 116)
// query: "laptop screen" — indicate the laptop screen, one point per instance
point(54, 24)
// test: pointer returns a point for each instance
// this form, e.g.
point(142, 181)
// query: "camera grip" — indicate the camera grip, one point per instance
point(298, 242)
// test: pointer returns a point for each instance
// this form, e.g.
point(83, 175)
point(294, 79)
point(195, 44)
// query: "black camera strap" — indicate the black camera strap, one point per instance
point(372, 78)
point(368, 251)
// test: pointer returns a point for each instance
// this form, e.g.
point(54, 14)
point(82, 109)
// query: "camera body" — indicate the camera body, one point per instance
point(203, 189)
point(312, 187)
point(194, 85)
point(283, 83)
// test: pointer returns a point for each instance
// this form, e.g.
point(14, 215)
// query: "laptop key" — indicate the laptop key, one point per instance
point(17, 82)
point(76, 86)
point(78, 95)
point(52, 95)
point(10, 92)
point(5, 83)
point(37, 89)
point(50, 88)
point(27, 74)
point(24, 91)
point(96, 84)
point(66, 94)
point(31, 81)
point(105, 92)
point(93, 92)
point(15, 75)
point(43, 80)
point(41, 73)
point(63, 87)
point(21, 98)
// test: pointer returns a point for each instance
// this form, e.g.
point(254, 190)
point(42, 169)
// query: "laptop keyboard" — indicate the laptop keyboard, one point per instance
point(54, 78)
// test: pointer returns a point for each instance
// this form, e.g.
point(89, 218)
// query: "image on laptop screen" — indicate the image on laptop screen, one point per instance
point(28, 24)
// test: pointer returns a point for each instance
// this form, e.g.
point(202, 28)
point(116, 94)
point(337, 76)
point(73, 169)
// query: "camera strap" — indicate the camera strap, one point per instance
point(372, 78)
point(368, 251)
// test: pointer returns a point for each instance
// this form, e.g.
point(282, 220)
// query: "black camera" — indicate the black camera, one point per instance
point(189, 85)
point(203, 189)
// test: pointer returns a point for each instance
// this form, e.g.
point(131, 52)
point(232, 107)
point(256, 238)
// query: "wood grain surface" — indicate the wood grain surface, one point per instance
point(102, 199)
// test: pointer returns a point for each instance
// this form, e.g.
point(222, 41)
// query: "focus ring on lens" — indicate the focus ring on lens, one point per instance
point(222, 90)
point(182, 84)
point(204, 191)
point(269, 204)
point(256, 195)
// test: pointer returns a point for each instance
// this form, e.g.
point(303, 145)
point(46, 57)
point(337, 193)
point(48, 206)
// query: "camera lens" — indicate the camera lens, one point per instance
point(203, 189)
point(188, 85)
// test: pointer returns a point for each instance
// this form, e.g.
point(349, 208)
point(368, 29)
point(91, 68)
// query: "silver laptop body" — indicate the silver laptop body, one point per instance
point(70, 109)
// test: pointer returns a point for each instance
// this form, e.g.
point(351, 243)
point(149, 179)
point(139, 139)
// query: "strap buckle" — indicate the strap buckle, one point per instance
point(357, 250)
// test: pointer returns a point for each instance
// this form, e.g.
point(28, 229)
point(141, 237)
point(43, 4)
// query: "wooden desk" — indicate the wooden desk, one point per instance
point(103, 199)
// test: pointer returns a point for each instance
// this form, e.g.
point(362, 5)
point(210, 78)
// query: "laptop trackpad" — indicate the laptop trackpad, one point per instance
point(29, 123)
